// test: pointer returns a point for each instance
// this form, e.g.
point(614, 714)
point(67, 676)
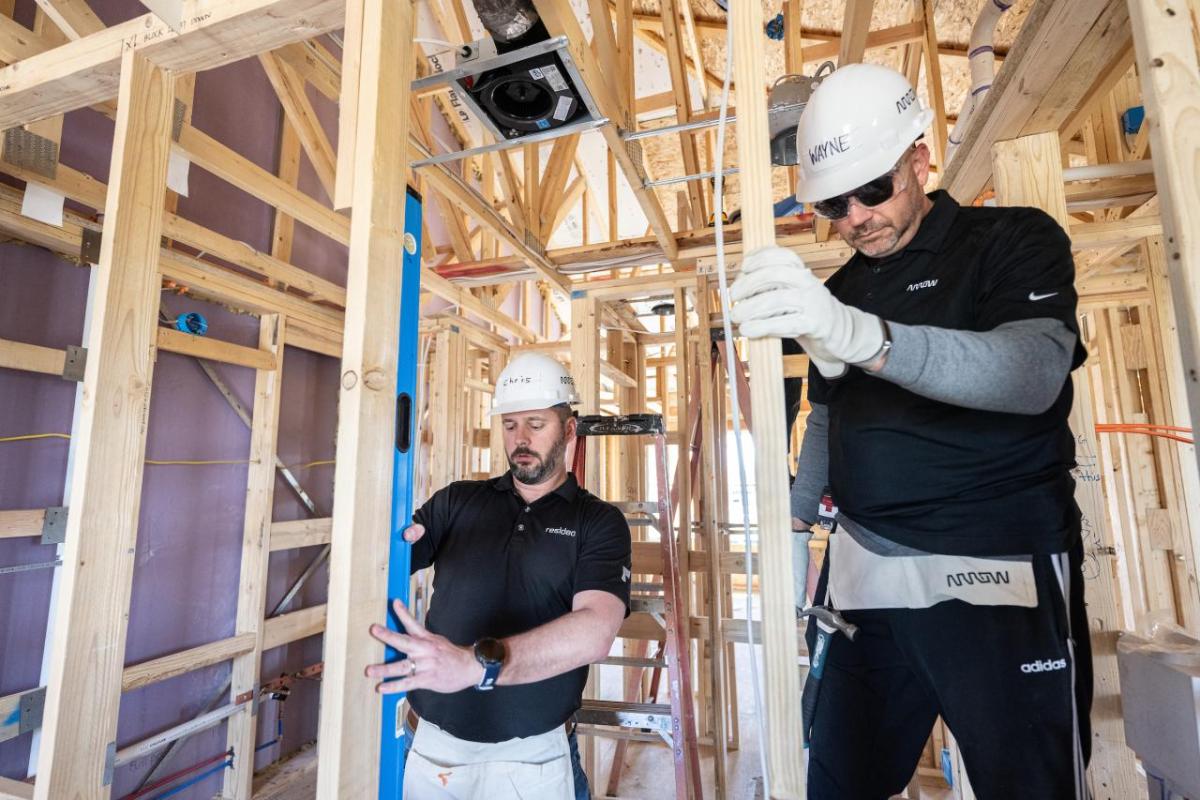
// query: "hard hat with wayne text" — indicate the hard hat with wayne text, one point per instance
point(857, 124)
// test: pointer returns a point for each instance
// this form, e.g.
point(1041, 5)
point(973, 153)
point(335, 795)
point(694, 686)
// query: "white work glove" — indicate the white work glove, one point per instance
point(777, 295)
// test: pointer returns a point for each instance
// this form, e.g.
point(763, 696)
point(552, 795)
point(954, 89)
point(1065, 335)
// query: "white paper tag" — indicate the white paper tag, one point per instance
point(554, 78)
point(178, 167)
point(563, 109)
point(535, 73)
point(43, 204)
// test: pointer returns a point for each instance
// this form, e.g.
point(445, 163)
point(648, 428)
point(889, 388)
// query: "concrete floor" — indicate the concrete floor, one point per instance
point(649, 773)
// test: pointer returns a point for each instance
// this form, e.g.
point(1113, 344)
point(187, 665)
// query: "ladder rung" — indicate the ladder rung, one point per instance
point(630, 661)
point(647, 605)
point(621, 733)
point(637, 506)
point(618, 714)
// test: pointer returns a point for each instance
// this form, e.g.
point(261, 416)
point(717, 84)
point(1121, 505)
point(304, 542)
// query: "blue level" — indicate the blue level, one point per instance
point(391, 756)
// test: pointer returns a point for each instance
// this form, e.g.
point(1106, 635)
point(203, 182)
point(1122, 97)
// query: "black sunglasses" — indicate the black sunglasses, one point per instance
point(870, 194)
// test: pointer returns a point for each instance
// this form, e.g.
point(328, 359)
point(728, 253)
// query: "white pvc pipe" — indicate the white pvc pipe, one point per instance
point(1094, 172)
point(983, 68)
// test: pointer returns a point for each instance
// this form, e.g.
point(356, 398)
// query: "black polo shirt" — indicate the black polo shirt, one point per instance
point(941, 477)
point(505, 567)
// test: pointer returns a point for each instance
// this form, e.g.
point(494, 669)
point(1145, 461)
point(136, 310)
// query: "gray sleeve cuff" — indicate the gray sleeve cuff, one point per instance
point(812, 469)
point(1015, 368)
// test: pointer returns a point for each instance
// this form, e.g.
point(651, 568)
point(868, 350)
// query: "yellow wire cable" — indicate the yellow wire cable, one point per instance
point(28, 436)
point(169, 462)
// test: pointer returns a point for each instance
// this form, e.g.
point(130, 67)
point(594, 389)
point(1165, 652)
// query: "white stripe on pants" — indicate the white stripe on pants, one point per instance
point(444, 767)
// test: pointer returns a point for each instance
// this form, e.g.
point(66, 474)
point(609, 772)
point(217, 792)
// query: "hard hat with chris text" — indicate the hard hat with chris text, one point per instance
point(530, 382)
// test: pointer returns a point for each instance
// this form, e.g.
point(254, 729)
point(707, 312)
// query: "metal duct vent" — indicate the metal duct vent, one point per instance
point(520, 80)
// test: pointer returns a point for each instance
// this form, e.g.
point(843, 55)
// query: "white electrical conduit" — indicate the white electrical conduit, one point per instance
point(730, 355)
point(983, 68)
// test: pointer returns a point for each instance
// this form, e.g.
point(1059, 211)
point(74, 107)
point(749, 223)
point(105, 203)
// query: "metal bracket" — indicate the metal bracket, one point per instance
point(89, 246)
point(54, 525)
point(32, 152)
point(110, 763)
point(256, 700)
point(75, 364)
point(33, 703)
point(716, 334)
point(178, 112)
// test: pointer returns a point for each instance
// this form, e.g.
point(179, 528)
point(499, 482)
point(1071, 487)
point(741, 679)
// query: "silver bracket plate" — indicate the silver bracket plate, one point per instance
point(54, 526)
point(110, 763)
point(76, 363)
point(32, 152)
point(178, 113)
point(89, 246)
point(33, 703)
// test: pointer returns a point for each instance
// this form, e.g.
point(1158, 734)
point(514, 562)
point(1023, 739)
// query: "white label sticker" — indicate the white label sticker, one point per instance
point(563, 109)
point(178, 167)
point(536, 73)
point(42, 204)
point(555, 78)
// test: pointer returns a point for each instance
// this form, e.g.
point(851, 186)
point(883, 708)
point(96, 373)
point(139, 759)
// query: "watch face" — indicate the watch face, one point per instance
point(490, 650)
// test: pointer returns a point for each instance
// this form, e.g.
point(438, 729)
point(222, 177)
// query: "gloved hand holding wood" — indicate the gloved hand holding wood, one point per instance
point(777, 295)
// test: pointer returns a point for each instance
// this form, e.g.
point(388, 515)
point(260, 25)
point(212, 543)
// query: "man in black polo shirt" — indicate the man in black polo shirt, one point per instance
point(530, 587)
point(940, 394)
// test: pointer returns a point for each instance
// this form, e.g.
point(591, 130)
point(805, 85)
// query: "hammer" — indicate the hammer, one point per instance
point(829, 622)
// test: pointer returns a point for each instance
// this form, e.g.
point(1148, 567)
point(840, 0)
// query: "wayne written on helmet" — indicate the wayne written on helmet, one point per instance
point(530, 382)
point(857, 124)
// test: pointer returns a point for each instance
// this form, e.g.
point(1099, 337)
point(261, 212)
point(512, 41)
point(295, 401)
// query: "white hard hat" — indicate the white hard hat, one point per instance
point(857, 124)
point(530, 382)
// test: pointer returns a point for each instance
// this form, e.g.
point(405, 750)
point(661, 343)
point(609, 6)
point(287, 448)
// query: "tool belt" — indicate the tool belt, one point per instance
point(411, 721)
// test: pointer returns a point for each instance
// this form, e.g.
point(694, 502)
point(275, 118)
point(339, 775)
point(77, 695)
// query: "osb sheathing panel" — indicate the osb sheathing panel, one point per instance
point(952, 18)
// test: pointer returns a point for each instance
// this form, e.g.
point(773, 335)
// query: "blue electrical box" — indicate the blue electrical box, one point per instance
point(394, 747)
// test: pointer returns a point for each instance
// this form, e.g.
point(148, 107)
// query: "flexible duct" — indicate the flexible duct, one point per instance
point(506, 20)
point(982, 59)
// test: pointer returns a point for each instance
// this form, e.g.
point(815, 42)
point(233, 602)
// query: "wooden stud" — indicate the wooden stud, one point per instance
point(289, 88)
point(73, 17)
point(31, 357)
point(289, 172)
point(352, 34)
point(784, 757)
point(1165, 35)
point(695, 204)
point(855, 25)
point(300, 533)
point(256, 549)
point(350, 709)
point(1028, 172)
point(96, 576)
point(173, 341)
point(934, 88)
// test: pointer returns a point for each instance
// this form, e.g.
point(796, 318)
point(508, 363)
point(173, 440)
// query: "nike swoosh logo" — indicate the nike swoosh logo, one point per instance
point(1034, 297)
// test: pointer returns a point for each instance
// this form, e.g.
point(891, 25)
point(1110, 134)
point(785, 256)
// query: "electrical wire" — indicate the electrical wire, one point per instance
point(173, 462)
point(730, 354)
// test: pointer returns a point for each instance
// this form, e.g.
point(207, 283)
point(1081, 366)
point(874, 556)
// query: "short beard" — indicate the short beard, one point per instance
point(545, 467)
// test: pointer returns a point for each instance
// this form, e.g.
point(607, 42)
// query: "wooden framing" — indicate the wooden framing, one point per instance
point(785, 762)
point(256, 548)
point(106, 484)
point(1165, 39)
point(366, 406)
point(1066, 73)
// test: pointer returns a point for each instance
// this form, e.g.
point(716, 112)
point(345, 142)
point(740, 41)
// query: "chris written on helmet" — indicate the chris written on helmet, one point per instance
point(531, 382)
point(857, 124)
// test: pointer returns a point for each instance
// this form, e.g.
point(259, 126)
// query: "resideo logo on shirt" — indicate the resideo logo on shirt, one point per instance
point(929, 284)
point(561, 531)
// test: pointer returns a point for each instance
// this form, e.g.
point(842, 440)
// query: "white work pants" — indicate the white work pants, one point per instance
point(444, 767)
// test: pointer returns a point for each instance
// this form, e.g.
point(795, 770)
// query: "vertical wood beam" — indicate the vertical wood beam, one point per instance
point(709, 493)
point(256, 540)
point(80, 722)
point(289, 172)
point(669, 14)
point(350, 723)
point(785, 762)
point(348, 102)
point(626, 72)
point(933, 86)
point(1028, 172)
point(1165, 40)
point(856, 24)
